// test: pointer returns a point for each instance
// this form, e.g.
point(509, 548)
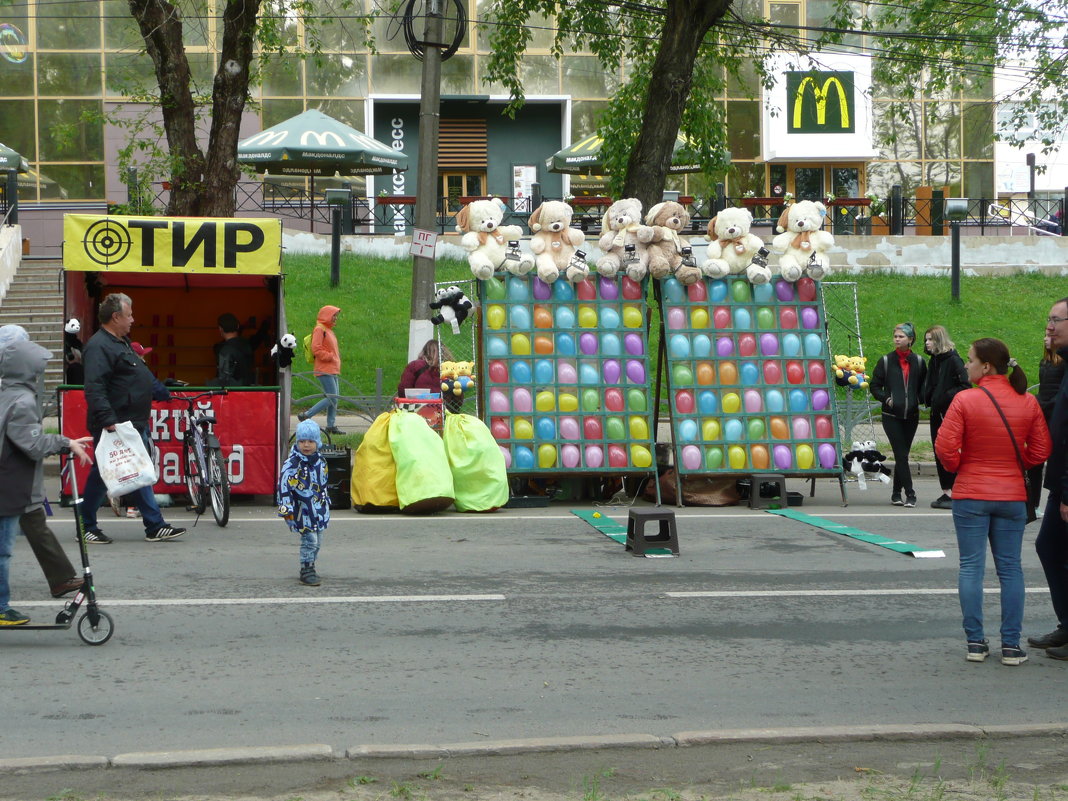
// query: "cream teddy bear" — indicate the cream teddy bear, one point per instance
point(668, 219)
point(804, 246)
point(486, 240)
point(622, 228)
point(554, 241)
point(731, 247)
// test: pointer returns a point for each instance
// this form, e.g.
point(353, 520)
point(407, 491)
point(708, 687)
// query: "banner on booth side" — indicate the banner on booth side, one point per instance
point(200, 245)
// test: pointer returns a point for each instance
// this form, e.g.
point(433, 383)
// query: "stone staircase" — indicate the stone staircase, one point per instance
point(34, 300)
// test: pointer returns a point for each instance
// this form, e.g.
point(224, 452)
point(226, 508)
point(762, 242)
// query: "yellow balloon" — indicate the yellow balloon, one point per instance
point(640, 456)
point(587, 317)
point(759, 455)
point(546, 455)
point(545, 401)
point(520, 344)
point(710, 430)
point(731, 402)
point(522, 428)
point(804, 456)
point(698, 317)
point(568, 402)
point(639, 429)
point(495, 316)
point(736, 457)
point(632, 318)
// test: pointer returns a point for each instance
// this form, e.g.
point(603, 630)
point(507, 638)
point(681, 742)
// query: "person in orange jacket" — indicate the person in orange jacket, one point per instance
point(327, 367)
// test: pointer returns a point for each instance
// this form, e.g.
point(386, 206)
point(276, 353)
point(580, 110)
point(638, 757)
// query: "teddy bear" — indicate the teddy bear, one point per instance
point(865, 462)
point(731, 247)
point(283, 350)
point(803, 244)
point(486, 240)
point(554, 241)
point(849, 371)
point(453, 307)
point(624, 240)
point(667, 220)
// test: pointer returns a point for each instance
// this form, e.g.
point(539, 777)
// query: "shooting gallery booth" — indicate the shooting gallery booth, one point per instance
point(181, 274)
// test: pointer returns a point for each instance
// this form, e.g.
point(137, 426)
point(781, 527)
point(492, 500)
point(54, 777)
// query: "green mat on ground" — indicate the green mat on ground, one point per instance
point(858, 534)
point(613, 530)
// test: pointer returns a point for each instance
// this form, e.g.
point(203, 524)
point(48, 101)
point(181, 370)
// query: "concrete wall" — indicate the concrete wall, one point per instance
point(10, 255)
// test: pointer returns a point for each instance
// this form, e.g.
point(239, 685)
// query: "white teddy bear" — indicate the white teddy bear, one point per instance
point(731, 247)
point(554, 241)
point(803, 244)
point(622, 227)
point(486, 240)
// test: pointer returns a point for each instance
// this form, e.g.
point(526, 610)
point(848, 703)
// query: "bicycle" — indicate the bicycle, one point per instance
point(203, 462)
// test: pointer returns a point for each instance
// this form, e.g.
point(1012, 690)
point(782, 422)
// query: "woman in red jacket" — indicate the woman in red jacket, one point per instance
point(989, 498)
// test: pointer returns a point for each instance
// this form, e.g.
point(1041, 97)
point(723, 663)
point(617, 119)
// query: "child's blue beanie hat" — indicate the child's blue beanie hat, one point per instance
point(309, 429)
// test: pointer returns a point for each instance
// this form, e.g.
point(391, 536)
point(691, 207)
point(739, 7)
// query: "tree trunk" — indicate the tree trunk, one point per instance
point(685, 24)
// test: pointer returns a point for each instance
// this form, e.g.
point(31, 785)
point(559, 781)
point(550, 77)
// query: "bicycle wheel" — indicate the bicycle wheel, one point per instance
point(219, 482)
point(194, 480)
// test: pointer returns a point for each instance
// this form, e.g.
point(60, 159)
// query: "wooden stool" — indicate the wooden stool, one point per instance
point(755, 480)
point(667, 537)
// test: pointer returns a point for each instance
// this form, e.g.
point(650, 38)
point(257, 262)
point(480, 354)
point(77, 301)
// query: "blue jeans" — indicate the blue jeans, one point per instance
point(310, 542)
point(1002, 523)
point(9, 526)
point(330, 389)
point(95, 492)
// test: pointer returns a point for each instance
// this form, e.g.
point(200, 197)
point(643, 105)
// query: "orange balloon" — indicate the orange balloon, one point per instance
point(759, 456)
point(728, 373)
point(542, 317)
point(705, 374)
point(543, 345)
point(779, 429)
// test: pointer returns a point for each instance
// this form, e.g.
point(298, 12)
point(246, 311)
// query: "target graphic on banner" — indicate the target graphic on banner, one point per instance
point(107, 242)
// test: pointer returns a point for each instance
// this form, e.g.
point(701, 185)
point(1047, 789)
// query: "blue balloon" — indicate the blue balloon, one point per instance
point(543, 371)
point(749, 372)
point(589, 374)
point(798, 400)
point(774, 401)
point(813, 346)
point(688, 430)
point(562, 290)
point(545, 428)
point(742, 318)
point(791, 345)
point(717, 290)
point(496, 346)
point(609, 318)
point(521, 372)
point(565, 317)
point(565, 345)
point(679, 346)
point(673, 290)
point(702, 346)
point(763, 293)
point(610, 345)
point(524, 457)
point(733, 430)
point(519, 317)
point(707, 402)
point(518, 288)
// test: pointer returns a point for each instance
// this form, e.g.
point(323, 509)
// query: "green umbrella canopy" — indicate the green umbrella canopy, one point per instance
point(313, 143)
point(584, 157)
point(11, 160)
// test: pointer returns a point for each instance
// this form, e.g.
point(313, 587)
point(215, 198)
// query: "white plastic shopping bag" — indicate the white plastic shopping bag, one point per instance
point(123, 462)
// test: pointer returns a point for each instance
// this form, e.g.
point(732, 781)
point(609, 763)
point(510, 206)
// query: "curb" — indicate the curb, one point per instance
point(217, 757)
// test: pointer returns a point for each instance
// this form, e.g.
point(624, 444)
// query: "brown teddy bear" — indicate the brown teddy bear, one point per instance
point(553, 243)
point(665, 251)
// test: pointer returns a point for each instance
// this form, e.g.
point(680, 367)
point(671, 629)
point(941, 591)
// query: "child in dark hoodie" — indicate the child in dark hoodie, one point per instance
point(23, 444)
point(302, 497)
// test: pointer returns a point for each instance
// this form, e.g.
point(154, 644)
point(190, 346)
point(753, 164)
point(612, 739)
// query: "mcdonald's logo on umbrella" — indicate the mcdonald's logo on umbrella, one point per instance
point(820, 102)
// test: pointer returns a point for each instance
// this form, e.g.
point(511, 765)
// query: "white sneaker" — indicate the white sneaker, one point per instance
point(115, 506)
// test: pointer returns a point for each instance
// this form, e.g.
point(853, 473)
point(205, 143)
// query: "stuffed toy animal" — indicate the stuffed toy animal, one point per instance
point(486, 240)
point(283, 350)
point(457, 377)
point(72, 351)
point(803, 244)
point(849, 371)
point(553, 243)
point(667, 220)
point(731, 247)
point(622, 229)
point(453, 307)
point(866, 463)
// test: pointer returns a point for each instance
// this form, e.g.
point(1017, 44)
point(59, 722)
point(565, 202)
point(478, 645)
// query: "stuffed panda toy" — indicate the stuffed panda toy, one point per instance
point(453, 307)
point(72, 351)
point(283, 350)
point(865, 462)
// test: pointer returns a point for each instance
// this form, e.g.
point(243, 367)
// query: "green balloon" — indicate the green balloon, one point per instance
point(591, 400)
point(765, 317)
point(494, 289)
point(713, 458)
point(636, 400)
point(614, 428)
point(682, 375)
point(740, 291)
point(756, 429)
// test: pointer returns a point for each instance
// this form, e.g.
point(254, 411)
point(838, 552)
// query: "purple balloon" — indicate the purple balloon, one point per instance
point(809, 317)
point(769, 344)
point(826, 454)
point(724, 346)
point(542, 291)
point(635, 371)
point(588, 343)
point(820, 399)
point(691, 457)
point(784, 290)
point(611, 371)
point(783, 458)
point(633, 344)
point(607, 288)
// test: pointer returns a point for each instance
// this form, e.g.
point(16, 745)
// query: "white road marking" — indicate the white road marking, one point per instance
point(301, 600)
point(838, 593)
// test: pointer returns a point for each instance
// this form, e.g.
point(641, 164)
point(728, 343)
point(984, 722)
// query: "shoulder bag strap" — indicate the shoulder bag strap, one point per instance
point(1008, 428)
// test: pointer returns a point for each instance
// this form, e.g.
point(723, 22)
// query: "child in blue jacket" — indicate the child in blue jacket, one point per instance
point(302, 497)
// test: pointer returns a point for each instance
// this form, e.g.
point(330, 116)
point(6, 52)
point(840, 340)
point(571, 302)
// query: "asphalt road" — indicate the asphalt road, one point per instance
point(524, 623)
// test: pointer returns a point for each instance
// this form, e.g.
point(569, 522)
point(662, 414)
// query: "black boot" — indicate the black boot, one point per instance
point(308, 575)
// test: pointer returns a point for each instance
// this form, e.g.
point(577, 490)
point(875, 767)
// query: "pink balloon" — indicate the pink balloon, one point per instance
point(499, 428)
point(784, 459)
point(585, 290)
point(611, 371)
point(752, 400)
point(795, 373)
point(817, 373)
point(684, 401)
point(617, 456)
point(800, 427)
point(697, 292)
point(592, 428)
point(787, 317)
point(542, 291)
point(747, 345)
point(820, 400)
point(676, 318)
point(826, 455)
point(613, 399)
point(824, 429)
point(566, 373)
point(569, 455)
point(498, 372)
point(588, 343)
point(498, 401)
point(721, 317)
point(635, 371)
point(769, 345)
point(691, 457)
point(772, 373)
point(507, 453)
point(569, 428)
point(594, 456)
point(522, 401)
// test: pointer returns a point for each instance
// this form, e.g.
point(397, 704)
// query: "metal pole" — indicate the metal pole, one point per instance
point(897, 211)
point(1031, 169)
point(335, 245)
point(13, 197)
point(954, 251)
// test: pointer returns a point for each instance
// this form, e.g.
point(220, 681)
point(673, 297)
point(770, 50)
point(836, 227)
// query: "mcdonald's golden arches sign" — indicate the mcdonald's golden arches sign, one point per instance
point(820, 102)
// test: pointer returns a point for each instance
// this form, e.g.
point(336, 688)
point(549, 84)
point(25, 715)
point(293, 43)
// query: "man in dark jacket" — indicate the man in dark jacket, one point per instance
point(233, 356)
point(1052, 541)
point(118, 387)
